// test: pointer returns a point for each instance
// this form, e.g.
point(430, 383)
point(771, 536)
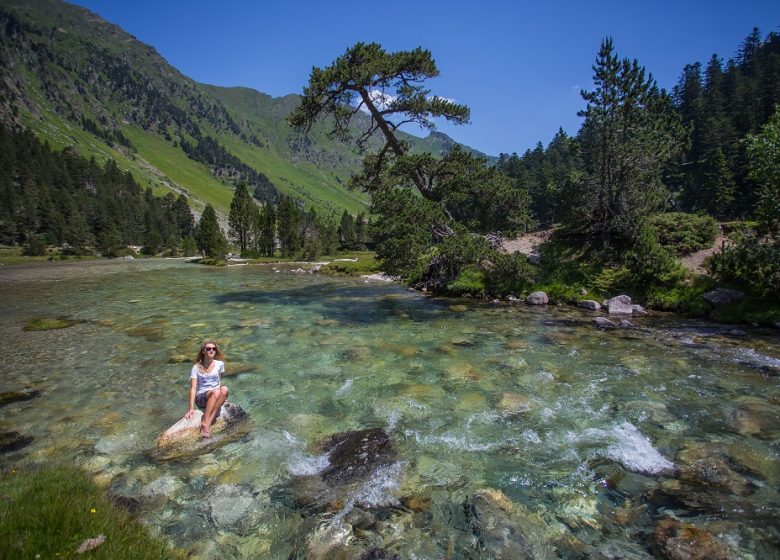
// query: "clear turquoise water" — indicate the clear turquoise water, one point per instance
point(582, 427)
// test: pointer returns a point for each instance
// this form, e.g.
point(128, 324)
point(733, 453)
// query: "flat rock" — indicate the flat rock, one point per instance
point(228, 504)
point(591, 304)
point(537, 298)
point(619, 305)
point(183, 438)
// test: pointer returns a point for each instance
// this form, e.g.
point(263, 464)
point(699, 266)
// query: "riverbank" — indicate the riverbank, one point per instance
point(689, 303)
point(57, 511)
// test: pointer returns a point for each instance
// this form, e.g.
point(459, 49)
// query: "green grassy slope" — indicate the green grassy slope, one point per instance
point(61, 64)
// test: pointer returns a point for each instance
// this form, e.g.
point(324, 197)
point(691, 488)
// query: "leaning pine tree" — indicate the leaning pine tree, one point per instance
point(436, 217)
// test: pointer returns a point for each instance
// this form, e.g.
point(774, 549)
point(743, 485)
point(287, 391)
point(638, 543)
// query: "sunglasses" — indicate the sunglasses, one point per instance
point(210, 348)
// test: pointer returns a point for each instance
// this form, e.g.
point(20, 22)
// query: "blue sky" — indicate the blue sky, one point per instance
point(518, 65)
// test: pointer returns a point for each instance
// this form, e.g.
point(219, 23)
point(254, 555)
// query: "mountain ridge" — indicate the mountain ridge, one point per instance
point(77, 80)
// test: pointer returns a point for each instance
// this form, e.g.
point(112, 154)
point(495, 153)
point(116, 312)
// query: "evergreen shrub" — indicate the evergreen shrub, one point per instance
point(510, 274)
point(681, 233)
point(652, 265)
point(750, 265)
point(35, 247)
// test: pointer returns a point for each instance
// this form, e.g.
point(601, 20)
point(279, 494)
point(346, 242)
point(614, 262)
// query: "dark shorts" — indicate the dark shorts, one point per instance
point(200, 400)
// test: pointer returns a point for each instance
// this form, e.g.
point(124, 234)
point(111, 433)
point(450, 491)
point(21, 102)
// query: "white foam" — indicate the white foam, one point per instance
point(302, 465)
point(344, 388)
point(454, 441)
point(531, 436)
point(378, 490)
point(629, 448)
point(754, 358)
point(392, 419)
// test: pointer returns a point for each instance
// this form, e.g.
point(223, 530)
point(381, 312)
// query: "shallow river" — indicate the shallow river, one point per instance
point(511, 430)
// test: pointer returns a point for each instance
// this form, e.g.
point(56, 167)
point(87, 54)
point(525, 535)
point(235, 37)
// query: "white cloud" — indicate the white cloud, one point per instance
point(380, 100)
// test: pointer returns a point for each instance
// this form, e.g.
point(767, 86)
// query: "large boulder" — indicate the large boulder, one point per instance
point(620, 305)
point(723, 296)
point(353, 458)
point(183, 438)
point(357, 454)
point(537, 298)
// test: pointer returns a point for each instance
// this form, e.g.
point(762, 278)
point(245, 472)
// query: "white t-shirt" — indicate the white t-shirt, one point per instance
point(207, 381)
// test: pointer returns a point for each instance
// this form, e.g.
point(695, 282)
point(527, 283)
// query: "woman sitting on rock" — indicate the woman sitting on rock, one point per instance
point(206, 389)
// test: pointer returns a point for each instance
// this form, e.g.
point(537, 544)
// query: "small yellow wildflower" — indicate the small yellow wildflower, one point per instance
point(93, 510)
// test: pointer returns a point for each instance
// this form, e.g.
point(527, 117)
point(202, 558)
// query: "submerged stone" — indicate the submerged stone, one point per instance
point(7, 397)
point(152, 334)
point(683, 541)
point(228, 505)
point(759, 419)
point(330, 542)
point(701, 464)
point(506, 529)
point(513, 403)
point(13, 441)
point(236, 368)
point(166, 486)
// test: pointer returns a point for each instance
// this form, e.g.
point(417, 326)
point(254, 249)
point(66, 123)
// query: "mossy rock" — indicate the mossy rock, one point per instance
point(50, 323)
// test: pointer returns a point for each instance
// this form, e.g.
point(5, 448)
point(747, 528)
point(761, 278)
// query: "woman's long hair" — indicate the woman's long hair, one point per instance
point(202, 353)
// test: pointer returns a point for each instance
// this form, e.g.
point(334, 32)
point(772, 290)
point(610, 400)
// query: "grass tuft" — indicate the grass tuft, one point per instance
point(366, 264)
point(47, 512)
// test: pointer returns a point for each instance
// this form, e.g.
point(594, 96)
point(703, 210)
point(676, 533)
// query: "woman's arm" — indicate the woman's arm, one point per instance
point(193, 388)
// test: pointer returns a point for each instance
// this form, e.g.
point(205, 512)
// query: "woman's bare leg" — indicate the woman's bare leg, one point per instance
point(216, 399)
point(211, 406)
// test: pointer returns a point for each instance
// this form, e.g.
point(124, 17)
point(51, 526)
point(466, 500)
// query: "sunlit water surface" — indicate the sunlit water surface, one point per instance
point(587, 430)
